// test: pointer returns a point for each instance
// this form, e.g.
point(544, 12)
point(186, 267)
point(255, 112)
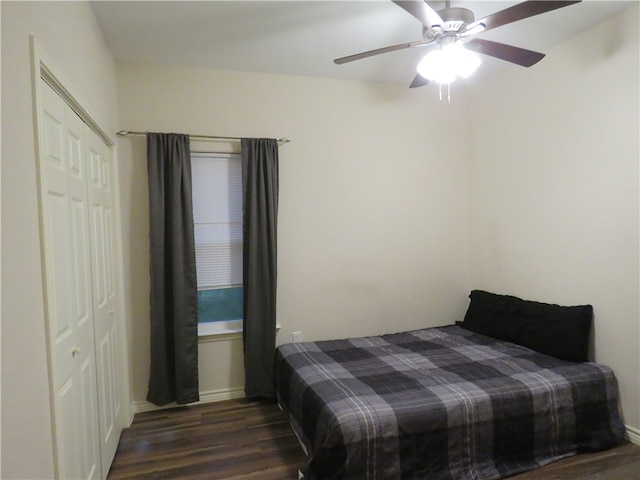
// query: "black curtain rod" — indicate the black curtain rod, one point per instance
point(124, 133)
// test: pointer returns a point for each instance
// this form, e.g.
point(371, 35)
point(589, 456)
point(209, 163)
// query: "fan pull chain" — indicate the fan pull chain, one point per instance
point(448, 92)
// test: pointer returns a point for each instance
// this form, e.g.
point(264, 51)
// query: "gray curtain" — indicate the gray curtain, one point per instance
point(173, 375)
point(260, 188)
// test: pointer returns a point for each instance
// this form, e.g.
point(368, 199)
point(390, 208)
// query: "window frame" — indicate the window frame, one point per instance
point(221, 328)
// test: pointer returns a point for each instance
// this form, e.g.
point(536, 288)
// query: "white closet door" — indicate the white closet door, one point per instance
point(101, 218)
point(67, 253)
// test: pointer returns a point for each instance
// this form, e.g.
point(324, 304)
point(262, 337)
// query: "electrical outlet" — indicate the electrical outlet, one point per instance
point(297, 337)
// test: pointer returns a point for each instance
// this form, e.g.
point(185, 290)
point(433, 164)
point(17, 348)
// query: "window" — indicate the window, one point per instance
point(217, 217)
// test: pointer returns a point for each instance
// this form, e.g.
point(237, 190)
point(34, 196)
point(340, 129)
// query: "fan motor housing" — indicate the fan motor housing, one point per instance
point(455, 18)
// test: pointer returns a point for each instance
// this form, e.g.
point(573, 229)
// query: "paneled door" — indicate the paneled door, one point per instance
point(100, 187)
point(76, 195)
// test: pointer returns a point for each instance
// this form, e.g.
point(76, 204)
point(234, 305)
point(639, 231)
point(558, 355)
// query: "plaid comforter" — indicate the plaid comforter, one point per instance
point(441, 403)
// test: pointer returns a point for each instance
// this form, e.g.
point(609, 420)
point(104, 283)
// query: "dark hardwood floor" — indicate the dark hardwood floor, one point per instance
point(234, 439)
point(240, 440)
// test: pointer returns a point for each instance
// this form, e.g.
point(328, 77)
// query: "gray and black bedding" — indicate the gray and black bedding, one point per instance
point(441, 403)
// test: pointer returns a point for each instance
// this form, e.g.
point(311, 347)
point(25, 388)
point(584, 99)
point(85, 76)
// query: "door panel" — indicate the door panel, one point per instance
point(90, 434)
point(104, 301)
point(60, 290)
point(81, 245)
point(68, 429)
point(56, 227)
point(81, 257)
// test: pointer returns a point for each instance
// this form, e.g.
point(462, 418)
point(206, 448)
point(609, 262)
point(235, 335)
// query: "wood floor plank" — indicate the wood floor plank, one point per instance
point(241, 440)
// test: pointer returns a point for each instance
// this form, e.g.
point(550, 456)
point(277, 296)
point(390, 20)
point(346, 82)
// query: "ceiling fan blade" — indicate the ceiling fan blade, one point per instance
point(518, 12)
point(422, 11)
point(419, 81)
point(378, 51)
point(517, 55)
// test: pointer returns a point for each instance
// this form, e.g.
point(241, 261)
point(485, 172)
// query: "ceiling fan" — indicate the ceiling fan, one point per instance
point(453, 29)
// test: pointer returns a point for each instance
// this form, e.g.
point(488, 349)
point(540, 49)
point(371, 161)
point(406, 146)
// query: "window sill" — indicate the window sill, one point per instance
point(215, 331)
point(218, 331)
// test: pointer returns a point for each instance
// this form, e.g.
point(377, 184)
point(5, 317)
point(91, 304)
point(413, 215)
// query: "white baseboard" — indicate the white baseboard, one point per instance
point(632, 434)
point(205, 397)
point(220, 395)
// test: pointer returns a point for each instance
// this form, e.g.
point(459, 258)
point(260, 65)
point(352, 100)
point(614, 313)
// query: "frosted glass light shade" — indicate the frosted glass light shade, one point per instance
point(444, 65)
point(465, 62)
point(436, 66)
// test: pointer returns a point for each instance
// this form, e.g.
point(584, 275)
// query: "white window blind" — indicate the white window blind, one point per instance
point(217, 216)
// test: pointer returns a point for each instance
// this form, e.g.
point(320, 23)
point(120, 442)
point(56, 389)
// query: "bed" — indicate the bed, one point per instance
point(451, 402)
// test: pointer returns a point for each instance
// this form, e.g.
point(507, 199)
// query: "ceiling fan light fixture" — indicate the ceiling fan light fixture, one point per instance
point(465, 62)
point(455, 25)
point(435, 66)
point(446, 64)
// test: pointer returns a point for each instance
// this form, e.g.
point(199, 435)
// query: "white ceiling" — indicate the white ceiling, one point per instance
point(303, 37)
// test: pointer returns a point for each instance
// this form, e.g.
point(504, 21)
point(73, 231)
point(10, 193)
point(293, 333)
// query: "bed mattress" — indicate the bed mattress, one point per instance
point(441, 403)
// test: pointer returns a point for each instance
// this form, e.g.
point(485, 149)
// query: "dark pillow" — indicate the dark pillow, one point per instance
point(562, 332)
point(492, 315)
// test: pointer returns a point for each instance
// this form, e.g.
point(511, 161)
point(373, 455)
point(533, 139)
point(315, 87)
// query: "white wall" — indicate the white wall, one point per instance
point(554, 188)
point(373, 221)
point(69, 34)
